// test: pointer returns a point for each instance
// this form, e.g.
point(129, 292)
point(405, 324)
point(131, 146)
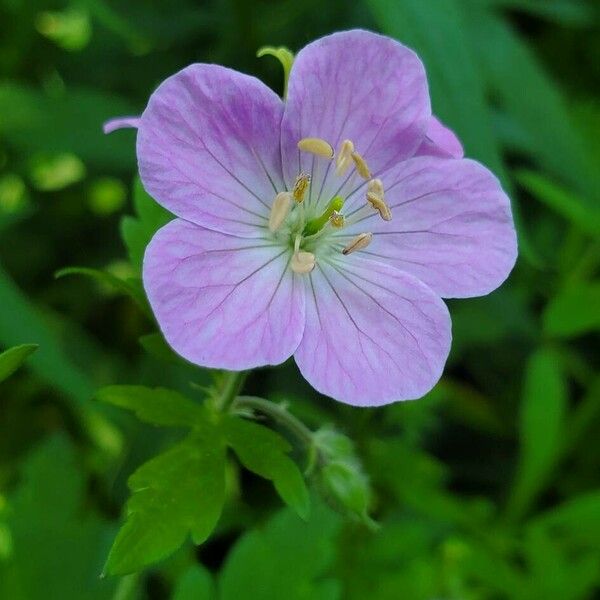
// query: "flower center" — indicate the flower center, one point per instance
point(308, 235)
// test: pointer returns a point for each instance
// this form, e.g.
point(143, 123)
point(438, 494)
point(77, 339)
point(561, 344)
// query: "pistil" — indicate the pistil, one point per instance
point(315, 225)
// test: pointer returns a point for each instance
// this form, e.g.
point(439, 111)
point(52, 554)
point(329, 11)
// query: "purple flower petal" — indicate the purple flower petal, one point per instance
point(452, 226)
point(121, 123)
point(223, 301)
point(208, 148)
point(373, 334)
point(440, 141)
point(354, 85)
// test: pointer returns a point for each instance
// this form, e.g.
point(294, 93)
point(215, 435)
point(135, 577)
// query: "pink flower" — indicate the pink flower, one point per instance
point(281, 248)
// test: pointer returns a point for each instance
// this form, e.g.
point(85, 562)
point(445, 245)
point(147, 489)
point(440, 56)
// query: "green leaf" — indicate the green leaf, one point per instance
point(574, 311)
point(137, 232)
point(157, 406)
point(263, 452)
point(566, 203)
point(543, 409)
point(155, 345)
point(130, 287)
point(284, 56)
point(177, 493)
point(13, 358)
point(286, 559)
point(195, 584)
point(58, 539)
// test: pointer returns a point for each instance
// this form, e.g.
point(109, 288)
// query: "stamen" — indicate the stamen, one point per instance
point(316, 146)
point(337, 219)
point(361, 241)
point(300, 187)
point(361, 166)
point(279, 210)
point(375, 197)
point(344, 157)
point(302, 262)
point(378, 203)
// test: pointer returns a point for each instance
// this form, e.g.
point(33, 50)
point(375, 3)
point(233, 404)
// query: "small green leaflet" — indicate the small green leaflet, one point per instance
point(137, 232)
point(182, 491)
point(13, 358)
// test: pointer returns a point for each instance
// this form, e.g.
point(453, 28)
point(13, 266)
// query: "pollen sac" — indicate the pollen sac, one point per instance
point(280, 210)
point(361, 166)
point(375, 198)
point(361, 241)
point(344, 157)
point(300, 187)
point(376, 186)
point(337, 219)
point(316, 146)
point(303, 262)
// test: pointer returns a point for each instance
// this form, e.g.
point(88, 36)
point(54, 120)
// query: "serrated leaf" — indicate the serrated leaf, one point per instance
point(574, 311)
point(195, 584)
point(13, 358)
point(263, 451)
point(176, 494)
point(285, 559)
point(130, 287)
point(138, 231)
point(541, 427)
point(158, 406)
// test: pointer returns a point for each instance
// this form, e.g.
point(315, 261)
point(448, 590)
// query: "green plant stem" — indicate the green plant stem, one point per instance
point(127, 588)
point(279, 415)
point(231, 388)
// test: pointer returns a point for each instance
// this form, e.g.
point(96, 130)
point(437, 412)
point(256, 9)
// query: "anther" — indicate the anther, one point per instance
point(316, 146)
point(300, 187)
point(361, 166)
point(344, 157)
point(279, 210)
point(378, 203)
point(337, 219)
point(361, 241)
point(302, 262)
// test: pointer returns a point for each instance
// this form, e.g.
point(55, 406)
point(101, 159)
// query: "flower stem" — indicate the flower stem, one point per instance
point(231, 388)
point(280, 415)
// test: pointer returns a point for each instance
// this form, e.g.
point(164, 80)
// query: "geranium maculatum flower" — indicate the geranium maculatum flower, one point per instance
point(328, 226)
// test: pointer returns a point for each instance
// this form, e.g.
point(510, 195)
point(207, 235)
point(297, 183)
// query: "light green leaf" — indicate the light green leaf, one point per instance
point(138, 231)
point(285, 559)
point(263, 451)
point(574, 311)
point(58, 540)
point(195, 584)
point(175, 494)
point(11, 359)
point(566, 203)
point(130, 287)
point(541, 428)
point(284, 56)
point(158, 406)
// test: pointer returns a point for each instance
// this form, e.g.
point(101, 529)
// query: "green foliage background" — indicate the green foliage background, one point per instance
point(487, 488)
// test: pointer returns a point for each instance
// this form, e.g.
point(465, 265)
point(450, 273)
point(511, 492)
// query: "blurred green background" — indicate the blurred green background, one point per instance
point(487, 488)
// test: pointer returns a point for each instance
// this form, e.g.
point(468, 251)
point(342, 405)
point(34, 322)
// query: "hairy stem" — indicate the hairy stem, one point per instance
point(232, 386)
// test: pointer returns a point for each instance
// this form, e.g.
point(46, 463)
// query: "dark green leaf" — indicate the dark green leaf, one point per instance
point(158, 406)
point(13, 358)
point(286, 559)
point(58, 540)
point(567, 204)
point(175, 494)
point(130, 287)
point(543, 409)
point(155, 345)
point(263, 452)
point(196, 584)
point(574, 311)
